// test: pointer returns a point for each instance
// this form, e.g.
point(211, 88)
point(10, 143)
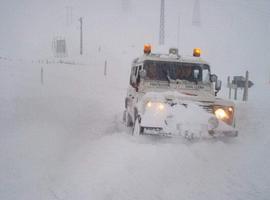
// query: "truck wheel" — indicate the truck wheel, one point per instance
point(137, 129)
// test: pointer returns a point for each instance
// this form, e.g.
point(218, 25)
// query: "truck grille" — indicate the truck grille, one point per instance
point(208, 108)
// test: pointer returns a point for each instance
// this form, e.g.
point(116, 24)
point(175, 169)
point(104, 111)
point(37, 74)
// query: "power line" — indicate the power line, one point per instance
point(257, 11)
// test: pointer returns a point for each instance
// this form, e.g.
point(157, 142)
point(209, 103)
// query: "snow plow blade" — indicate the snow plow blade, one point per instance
point(174, 116)
point(189, 122)
point(158, 131)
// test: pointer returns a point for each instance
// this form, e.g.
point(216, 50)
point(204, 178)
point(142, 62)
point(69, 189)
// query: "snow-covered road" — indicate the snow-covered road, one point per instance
point(64, 140)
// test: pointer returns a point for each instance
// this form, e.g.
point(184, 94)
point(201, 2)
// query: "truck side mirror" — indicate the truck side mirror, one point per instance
point(218, 85)
point(213, 78)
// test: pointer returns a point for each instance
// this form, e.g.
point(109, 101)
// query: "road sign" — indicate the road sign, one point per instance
point(239, 81)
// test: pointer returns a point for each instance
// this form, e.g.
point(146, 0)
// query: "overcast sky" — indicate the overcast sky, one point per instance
point(234, 35)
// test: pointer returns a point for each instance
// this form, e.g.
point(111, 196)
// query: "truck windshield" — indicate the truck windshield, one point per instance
point(163, 71)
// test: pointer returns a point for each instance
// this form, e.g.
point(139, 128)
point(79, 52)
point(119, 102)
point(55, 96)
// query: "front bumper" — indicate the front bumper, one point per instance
point(184, 120)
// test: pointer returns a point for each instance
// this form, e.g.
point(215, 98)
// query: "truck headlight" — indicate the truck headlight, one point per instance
point(161, 106)
point(221, 114)
point(155, 105)
point(225, 114)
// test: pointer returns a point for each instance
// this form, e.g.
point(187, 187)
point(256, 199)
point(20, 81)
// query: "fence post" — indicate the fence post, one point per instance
point(235, 92)
point(105, 68)
point(41, 76)
point(230, 87)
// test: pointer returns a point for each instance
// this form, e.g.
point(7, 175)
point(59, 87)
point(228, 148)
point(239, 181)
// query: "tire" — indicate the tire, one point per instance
point(137, 129)
point(211, 132)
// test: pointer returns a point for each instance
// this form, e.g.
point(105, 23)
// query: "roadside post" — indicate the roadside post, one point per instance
point(239, 82)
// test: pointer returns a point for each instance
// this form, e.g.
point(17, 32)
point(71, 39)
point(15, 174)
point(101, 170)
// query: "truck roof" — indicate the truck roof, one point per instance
point(169, 58)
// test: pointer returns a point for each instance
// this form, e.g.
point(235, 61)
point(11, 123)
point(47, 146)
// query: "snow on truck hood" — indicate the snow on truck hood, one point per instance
point(184, 96)
point(178, 111)
point(187, 96)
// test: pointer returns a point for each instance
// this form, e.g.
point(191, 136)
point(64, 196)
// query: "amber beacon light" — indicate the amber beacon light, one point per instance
point(147, 48)
point(197, 52)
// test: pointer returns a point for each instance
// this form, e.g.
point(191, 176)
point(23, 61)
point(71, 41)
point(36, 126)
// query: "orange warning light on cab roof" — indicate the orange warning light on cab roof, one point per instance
point(197, 52)
point(147, 48)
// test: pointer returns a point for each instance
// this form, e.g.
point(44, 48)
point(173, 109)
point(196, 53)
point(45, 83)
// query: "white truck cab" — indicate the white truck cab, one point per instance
point(169, 94)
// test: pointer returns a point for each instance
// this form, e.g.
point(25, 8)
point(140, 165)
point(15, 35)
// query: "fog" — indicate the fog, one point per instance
point(61, 130)
point(233, 35)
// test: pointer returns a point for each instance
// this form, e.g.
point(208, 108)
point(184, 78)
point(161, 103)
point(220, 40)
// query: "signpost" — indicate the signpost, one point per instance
point(59, 47)
point(240, 82)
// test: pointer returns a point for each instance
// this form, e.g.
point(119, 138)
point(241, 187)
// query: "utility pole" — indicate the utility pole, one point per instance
point(125, 5)
point(178, 32)
point(162, 23)
point(81, 35)
point(196, 19)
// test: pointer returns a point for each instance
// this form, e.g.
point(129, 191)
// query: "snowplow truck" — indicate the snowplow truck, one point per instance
point(173, 95)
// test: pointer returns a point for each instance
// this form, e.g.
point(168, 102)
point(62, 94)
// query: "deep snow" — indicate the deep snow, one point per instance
point(64, 140)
